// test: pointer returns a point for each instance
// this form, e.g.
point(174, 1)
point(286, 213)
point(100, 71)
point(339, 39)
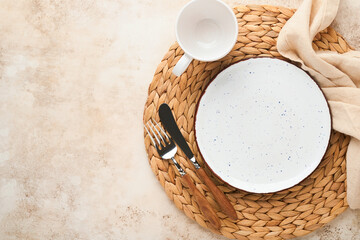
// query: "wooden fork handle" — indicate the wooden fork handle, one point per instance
point(204, 205)
point(220, 197)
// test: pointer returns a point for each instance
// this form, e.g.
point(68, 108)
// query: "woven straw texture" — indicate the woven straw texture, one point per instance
point(282, 215)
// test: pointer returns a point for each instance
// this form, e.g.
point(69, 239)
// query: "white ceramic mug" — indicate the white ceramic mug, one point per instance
point(206, 30)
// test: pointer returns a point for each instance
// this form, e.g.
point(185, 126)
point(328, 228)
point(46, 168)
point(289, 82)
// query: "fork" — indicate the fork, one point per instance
point(167, 150)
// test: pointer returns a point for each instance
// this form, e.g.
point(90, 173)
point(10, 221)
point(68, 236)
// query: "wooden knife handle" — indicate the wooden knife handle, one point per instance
point(220, 197)
point(204, 205)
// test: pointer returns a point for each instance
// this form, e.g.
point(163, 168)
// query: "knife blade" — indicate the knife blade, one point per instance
point(169, 123)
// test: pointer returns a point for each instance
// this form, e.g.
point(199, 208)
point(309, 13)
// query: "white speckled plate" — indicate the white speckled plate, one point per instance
point(263, 125)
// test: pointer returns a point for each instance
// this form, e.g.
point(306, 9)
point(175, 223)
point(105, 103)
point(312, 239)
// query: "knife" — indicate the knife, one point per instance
point(168, 121)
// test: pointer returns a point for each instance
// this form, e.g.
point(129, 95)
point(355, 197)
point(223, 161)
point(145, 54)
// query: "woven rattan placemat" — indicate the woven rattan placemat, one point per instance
point(282, 215)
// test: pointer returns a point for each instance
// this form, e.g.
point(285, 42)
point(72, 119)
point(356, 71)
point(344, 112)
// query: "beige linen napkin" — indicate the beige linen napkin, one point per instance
point(337, 74)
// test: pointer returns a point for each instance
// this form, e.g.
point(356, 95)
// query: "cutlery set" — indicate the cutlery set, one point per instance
point(167, 149)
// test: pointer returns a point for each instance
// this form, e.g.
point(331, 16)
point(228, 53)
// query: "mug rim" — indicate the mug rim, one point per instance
point(201, 58)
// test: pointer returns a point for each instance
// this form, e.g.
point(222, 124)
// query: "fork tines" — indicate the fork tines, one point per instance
point(157, 133)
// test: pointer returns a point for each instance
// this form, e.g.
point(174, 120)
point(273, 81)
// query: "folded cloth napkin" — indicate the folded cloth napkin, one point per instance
point(338, 75)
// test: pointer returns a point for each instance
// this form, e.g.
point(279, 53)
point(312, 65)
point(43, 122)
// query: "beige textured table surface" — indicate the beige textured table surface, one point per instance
point(73, 82)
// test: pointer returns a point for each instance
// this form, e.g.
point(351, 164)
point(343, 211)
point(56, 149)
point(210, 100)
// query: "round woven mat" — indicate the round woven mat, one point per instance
point(282, 215)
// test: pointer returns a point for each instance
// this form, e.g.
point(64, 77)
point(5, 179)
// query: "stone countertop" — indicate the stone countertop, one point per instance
point(73, 83)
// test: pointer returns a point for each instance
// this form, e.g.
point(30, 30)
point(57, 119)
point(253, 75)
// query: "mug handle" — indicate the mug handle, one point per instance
point(182, 65)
